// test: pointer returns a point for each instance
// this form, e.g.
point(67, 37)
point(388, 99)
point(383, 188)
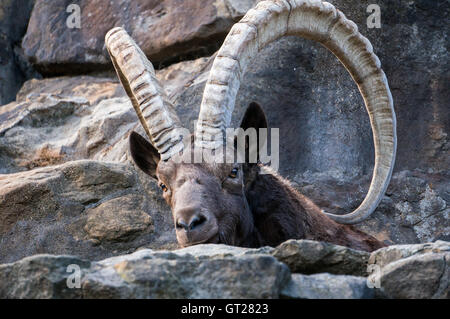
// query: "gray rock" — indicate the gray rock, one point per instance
point(147, 274)
point(219, 271)
point(309, 257)
point(40, 276)
point(49, 130)
point(417, 277)
point(412, 271)
point(327, 286)
point(69, 118)
point(387, 255)
point(118, 219)
point(212, 250)
point(179, 30)
point(87, 208)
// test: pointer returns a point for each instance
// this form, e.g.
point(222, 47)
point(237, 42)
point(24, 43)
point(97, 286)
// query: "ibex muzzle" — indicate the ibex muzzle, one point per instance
point(235, 203)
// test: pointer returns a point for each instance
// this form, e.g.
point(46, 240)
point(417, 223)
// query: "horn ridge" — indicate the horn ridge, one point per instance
point(147, 96)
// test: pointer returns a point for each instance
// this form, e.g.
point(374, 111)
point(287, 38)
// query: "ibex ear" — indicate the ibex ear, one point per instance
point(144, 154)
point(254, 117)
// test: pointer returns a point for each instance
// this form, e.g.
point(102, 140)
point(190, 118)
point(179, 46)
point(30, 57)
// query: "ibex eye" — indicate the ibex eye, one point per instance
point(163, 187)
point(234, 173)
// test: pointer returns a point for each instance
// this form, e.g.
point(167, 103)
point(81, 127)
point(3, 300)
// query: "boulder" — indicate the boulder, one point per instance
point(146, 274)
point(413, 271)
point(220, 271)
point(418, 277)
point(309, 257)
point(86, 208)
point(178, 29)
point(51, 129)
point(390, 254)
point(40, 277)
point(70, 118)
point(327, 286)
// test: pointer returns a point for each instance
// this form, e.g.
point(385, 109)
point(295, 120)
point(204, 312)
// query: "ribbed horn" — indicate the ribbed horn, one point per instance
point(154, 110)
point(322, 22)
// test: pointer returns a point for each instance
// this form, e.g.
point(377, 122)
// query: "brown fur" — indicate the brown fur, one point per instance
point(281, 213)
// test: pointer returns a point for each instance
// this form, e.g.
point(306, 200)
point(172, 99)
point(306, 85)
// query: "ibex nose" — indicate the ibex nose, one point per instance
point(188, 219)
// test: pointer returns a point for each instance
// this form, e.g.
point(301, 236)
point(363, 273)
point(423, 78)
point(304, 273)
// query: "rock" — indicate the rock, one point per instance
point(412, 271)
point(417, 277)
point(51, 129)
point(309, 257)
point(147, 274)
point(93, 88)
point(118, 219)
point(414, 209)
point(70, 118)
point(220, 271)
point(327, 286)
point(86, 208)
point(39, 277)
point(179, 29)
point(14, 70)
point(213, 250)
point(387, 255)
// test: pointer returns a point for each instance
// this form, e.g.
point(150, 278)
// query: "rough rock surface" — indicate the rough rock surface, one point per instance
point(326, 286)
point(85, 208)
point(413, 271)
point(390, 254)
point(50, 129)
point(219, 271)
point(147, 274)
point(423, 276)
point(177, 29)
point(68, 118)
point(308, 257)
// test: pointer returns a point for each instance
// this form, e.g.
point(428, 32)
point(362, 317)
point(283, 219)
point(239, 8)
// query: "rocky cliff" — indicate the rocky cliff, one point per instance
point(68, 187)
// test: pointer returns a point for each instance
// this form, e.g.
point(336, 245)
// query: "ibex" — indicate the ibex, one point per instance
point(243, 204)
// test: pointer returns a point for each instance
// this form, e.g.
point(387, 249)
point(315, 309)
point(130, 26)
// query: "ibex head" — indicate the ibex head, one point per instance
point(208, 200)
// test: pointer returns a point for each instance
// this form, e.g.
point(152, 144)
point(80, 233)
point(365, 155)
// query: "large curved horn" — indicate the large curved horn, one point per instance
point(322, 22)
point(153, 108)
